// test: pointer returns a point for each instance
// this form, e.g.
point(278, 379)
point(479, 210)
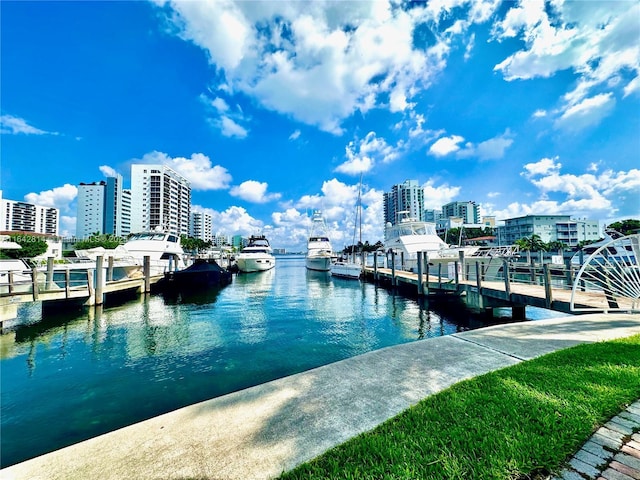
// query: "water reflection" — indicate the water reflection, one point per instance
point(107, 368)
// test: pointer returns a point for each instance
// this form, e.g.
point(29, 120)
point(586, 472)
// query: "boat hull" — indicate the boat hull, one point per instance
point(257, 264)
point(346, 270)
point(201, 274)
point(320, 264)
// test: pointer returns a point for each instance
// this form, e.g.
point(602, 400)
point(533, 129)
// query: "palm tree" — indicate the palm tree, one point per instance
point(533, 243)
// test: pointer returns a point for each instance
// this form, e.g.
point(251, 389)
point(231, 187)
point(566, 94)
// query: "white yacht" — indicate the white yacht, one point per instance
point(346, 269)
point(163, 249)
point(257, 256)
point(409, 236)
point(319, 250)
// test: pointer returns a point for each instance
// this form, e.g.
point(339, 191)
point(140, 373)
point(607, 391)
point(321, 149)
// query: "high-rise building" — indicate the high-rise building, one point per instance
point(404, 200)
point(91, 209)
point(103, 207)
point(27, 217)
point(200, 226)
point(160, 198)
point(126, 211)
point(468, 211)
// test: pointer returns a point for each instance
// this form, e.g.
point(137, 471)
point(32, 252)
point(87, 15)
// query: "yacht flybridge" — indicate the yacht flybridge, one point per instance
point(319, 250)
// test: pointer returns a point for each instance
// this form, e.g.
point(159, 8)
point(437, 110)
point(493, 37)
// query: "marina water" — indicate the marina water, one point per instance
point(67, 378)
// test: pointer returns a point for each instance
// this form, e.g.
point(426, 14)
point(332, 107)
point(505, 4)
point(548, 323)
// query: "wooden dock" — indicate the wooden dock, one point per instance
point(94, 289)
point(518, 285)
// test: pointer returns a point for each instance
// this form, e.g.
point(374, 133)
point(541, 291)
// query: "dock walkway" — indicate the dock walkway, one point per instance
point(262, 431)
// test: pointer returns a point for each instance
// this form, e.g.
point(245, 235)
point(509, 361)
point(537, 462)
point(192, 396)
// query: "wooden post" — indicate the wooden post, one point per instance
point(462, 264)
point(34, 282)
point(99, 281)
point(419, 273)
point(147, 273)
point(457, 274)
point(375, 266)
point(67, 281)
point(507, 280)
point(426, 269)
point(533, 271)
point(401, 260)
point(110, 269)
point(10, 280)
point(440, 276)
point(393, 268)
point(548, 291)
point(49, 284)
point(478, 278)
point(90, 287)
point(568, 274)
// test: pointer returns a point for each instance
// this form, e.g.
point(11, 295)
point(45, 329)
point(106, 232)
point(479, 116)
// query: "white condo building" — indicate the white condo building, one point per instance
point(160, 197)
point(404, 197)
point(90, 217)
point(26, 217)
point(549, 228)
point(103, 207)
point(200, 227)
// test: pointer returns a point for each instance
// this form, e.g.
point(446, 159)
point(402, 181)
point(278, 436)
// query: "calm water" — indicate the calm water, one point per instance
point(65, 379)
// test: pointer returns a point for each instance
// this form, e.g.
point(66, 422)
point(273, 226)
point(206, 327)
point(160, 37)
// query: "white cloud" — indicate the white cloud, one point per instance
point(108, 171)
point(229, 128)
point(597, 41)
point(67, 226)
point(491, 149)
point(579, 195)
point(223, 118)
point(363, 155)
point(255, 192)
point(295, 135)
point(542, 167)
point(587, 112)
point(15, 125)
point(436, 196)
point(59, 197)
point(320, 62)
point(198, 169)
point(236, 220)
point(219, 104)
point(446, 145)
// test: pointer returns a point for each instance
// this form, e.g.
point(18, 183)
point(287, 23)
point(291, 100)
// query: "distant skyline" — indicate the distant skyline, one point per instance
point(274, 108)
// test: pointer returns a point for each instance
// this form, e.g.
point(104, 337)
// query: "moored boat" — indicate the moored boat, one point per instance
point(346, 269)
point(319, 250)
point(257, 256)
point(202, 274)
point(409, 236)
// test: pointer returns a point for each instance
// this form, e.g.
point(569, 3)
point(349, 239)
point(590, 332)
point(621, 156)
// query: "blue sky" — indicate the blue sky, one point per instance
point(274, 108)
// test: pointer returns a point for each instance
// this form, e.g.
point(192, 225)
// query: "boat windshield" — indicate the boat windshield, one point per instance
point(255, 250)
point(318, 239)
point(416, 228)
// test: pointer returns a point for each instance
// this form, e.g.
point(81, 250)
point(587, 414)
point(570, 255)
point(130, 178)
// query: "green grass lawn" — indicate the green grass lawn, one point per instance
point(521, 422)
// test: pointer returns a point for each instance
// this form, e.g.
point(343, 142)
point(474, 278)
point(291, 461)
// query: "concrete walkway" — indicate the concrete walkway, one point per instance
point(262, 431)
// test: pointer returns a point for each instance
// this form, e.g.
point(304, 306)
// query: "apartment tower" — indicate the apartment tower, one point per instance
point(160, 198)
point(27, 217)
point(406, 197)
